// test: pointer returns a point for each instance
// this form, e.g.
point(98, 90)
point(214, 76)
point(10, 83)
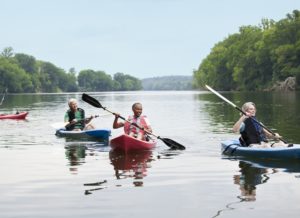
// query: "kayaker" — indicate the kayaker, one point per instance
point(138, 119)
point(75, 118)
point(252, 134)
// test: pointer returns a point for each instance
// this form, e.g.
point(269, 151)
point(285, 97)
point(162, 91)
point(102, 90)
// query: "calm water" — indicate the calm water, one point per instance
point(46, 176)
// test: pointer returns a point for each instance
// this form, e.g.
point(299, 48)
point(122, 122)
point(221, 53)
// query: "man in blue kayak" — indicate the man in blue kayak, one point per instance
point(75, 118)
point(253, 134)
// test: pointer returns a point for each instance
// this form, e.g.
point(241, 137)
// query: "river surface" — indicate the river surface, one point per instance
point(46, 176)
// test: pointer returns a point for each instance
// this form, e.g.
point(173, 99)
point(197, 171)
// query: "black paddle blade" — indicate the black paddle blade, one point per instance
point(91, 100)
point(172, 144)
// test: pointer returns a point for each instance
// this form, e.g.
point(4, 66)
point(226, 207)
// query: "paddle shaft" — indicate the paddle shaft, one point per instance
point(169, 142)
point(78, 121)
point(240, 110)
point(3, 96)
point(134, 124)
point(96, 103)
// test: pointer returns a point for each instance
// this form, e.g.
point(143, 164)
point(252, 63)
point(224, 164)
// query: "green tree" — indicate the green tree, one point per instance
point(90, 80)
point(125, 82)
point(51, 77)
point(255, 57)
point(14, 78)
point(7, 52)
point(26, 62)
point(285, 51)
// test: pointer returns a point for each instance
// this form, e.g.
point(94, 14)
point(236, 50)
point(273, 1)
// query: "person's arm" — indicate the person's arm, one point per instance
point(117, 124)
point(237, 125)
point(271, 136)
point(148, 128)
point(88, 120)
point(66, 120)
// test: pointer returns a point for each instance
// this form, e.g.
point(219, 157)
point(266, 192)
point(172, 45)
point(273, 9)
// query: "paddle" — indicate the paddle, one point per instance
point(61, 125)
point(3, 96)
point(169, 142)
point(236, 107)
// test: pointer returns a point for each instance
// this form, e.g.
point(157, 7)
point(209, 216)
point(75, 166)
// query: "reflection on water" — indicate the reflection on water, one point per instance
point(292, 166)
point(131, 165)
point(76, 152)
point(99, 185)
point(196, 182)
point(168, 154)
point(75, 156)
point(255, 172)
point(248, 179)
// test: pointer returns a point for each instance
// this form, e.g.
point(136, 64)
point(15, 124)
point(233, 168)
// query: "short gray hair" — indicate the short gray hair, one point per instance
point(72, 100)
point(247, 105)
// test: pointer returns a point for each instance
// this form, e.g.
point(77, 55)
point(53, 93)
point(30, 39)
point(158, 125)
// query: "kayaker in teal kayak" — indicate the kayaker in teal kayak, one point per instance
point(75, 118)
point(138, 119)
point(252, 134)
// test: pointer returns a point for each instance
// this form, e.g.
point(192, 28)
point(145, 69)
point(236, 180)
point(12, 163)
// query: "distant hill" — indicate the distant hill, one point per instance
point(168, 83)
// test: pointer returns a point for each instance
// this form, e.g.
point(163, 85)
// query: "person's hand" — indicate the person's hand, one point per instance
point(244, 116)
point(146, 129)
point(73, 121)
point(277, 136)
point(116, 115)
point(247, 114)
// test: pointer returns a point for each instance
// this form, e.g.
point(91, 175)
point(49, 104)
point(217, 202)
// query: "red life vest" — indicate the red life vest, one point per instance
point(140, 121)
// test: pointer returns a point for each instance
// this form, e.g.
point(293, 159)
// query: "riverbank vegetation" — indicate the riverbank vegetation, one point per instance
point(22, 73)
point(255, 58)
point(168, 83)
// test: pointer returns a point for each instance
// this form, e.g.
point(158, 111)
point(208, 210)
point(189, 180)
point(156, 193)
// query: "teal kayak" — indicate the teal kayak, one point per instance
point(233, 148)
point(102, 134)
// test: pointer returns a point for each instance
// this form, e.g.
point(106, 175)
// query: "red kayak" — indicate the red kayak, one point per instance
point(17, 116)
point(127, 143)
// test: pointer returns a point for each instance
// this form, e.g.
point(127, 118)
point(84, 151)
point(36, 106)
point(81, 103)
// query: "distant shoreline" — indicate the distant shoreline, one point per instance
point(167, 83)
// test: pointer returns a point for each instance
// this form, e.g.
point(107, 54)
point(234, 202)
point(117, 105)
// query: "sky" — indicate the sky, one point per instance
point(142, 38)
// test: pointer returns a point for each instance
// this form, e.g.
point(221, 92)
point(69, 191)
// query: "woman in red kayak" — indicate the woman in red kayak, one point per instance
point(137, 119)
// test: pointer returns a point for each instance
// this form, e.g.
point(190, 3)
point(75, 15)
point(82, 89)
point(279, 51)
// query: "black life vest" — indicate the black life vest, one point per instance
point(71, 115)
point(252, 134)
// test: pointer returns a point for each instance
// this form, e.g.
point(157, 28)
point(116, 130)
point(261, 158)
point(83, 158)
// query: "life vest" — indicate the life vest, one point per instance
point(80, 124)
point(140, 121)
point(253, 133)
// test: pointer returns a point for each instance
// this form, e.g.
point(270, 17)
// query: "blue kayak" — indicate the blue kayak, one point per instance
point(85, 134)
point(233, 148)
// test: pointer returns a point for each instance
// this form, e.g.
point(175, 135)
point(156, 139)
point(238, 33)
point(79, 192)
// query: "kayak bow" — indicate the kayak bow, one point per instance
point(126, 143)
point(233, 148)
point(17, 116)
point(85, 134)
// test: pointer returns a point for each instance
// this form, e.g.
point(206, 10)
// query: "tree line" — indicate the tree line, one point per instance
point(255, 57)
point(168, 83)
point(22, 73)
